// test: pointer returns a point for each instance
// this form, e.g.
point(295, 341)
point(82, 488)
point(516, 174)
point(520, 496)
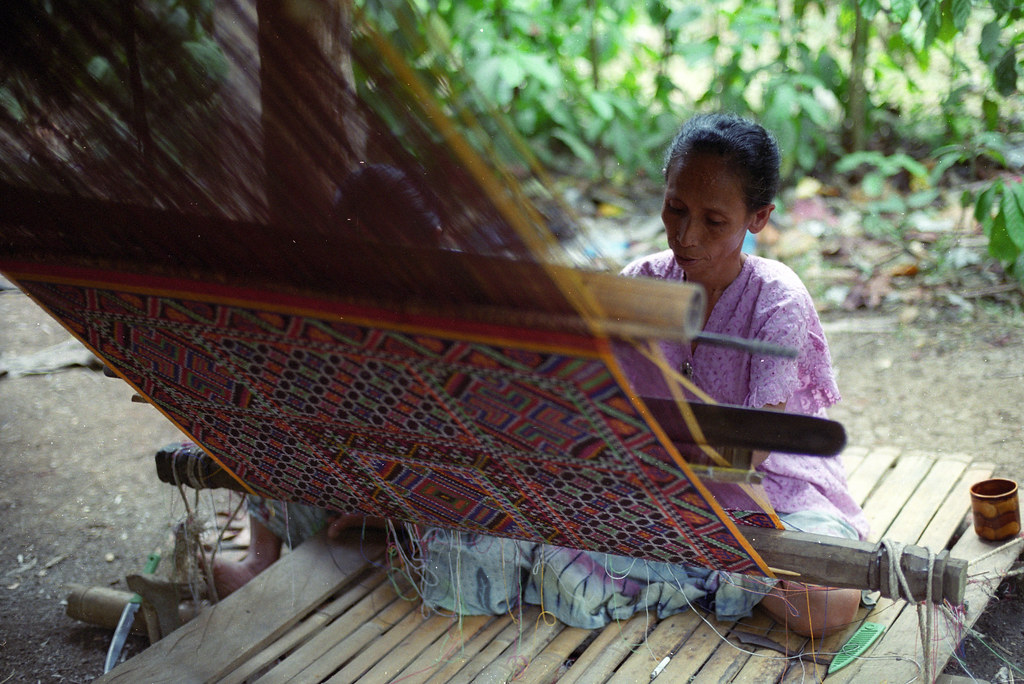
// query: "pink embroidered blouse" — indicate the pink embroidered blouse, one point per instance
point(766, 302)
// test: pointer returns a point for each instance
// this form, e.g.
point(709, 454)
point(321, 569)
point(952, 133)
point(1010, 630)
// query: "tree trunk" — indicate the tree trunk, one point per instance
point(855, 126)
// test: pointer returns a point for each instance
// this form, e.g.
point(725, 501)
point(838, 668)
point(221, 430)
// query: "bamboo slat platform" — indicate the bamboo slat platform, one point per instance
point(327, 613)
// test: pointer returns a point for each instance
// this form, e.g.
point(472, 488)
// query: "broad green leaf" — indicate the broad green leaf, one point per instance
point(1005, 73)
point(623, 140)
point(806, 157)
point(983, 208)
point(1013, 207)
point(873, 184)
point(931, 17)
point(901, 9)
point(526, 120)
point(944, 160)
point(538, 67)
point(961, 10)
point(577, 146)
point(495, 77)
point(208, 58)
point(966, 198)
point(869, 8)
point(854, 159)
point(922, 199)
point(814, 110)
point(1000, 245)
point(1016, 269)
point(601, 106)
point(947, 28)
point(592, 127)
point(11, 105)
point(912, 166)
point(991, 111)
point(988, 46)
point(1003, 7)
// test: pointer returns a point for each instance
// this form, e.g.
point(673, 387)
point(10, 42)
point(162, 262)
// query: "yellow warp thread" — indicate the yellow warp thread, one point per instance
point(674, 379)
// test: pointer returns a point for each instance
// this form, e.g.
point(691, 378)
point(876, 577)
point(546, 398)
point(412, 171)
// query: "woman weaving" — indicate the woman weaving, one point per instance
point(721, 173)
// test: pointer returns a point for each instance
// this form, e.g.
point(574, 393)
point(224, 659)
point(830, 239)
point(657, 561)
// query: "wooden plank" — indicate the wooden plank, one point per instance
point(888, 612)
point(768, 665)
point(543, 667)
point(926, 501)
point(893, 492)
point(333, 634)
point(401, 662)
point(903, 638)
point(436, 646)
point(511, 663)
point(827, 648)
point(227, 634)
point(383, 649)
point(945, 522)
point(853, 457)
point(511, 634)
point(728, 658)
point(696, 653)
point(305, 629)
point(354, 643)
point(931, 496)
point(866, 477)
point(471, 645)
point(599, 660)
point(660, 643)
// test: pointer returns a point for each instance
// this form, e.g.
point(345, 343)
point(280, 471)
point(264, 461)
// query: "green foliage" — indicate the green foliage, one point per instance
point(598, 87)
point(881, 168)
point(572, 76)
point(135, 84)
point(1000, 211)
point(605, 82)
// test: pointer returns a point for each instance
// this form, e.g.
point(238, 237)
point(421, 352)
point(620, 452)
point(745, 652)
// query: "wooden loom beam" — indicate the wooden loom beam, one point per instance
point(848, 563)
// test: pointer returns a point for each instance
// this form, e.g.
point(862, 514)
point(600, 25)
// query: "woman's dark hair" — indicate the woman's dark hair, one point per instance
point(750, 151)
point(383, 203)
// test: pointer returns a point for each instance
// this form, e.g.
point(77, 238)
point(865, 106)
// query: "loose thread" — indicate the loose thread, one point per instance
point(898, 579)
point(998, 549)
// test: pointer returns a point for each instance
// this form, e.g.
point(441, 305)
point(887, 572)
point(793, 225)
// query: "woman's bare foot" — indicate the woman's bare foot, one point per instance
point(264, 549)
point(809, 610)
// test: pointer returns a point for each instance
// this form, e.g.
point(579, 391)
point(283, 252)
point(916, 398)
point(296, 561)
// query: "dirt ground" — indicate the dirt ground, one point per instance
point(80, 501)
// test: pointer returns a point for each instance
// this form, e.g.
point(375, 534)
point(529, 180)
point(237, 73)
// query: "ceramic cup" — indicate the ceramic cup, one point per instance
point(996, 509)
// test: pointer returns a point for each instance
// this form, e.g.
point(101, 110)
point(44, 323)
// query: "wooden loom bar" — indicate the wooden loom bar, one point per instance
point(45, 227)
point(835, 562)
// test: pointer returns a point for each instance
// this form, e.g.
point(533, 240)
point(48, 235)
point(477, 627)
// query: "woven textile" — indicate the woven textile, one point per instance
point(352, 409)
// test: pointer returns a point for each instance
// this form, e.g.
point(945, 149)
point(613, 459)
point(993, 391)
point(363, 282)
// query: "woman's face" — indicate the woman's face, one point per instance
point(706, 217)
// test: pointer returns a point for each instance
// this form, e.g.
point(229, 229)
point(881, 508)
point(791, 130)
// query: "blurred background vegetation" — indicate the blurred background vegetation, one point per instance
point(904, 101)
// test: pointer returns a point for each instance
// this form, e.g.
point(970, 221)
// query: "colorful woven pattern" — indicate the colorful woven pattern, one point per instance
point(352, 410)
